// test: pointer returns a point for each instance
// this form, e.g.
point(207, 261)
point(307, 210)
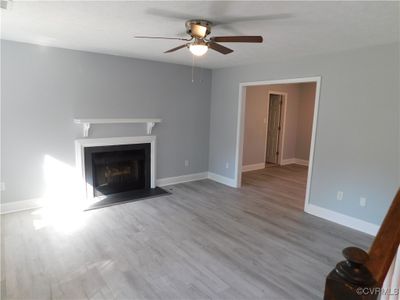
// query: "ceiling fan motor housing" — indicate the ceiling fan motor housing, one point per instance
point(198, 28)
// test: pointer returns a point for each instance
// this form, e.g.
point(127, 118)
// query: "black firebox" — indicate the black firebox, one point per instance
point(117, 169)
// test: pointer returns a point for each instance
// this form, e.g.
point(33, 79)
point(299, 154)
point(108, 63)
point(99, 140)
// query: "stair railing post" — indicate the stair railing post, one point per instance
point(351, 280)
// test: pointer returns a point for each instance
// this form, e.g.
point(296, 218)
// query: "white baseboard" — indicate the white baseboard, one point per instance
point(302, 162)
point(253, 167)
point(297, 161)
point(287, 161)
point(312, 209)
point(181, 179)
point(341, 219)
point(16, 206)
point(222, 179)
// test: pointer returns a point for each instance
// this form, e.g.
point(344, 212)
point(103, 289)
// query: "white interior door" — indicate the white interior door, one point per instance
point(274, 127)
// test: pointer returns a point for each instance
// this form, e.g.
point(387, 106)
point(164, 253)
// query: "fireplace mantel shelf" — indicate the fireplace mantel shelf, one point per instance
point(86, 123)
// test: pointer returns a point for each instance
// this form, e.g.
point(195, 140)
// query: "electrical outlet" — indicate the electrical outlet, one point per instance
point(186, 163)
point(339, 195)
point(227, 165)
point(2, 186)
point(363, 201)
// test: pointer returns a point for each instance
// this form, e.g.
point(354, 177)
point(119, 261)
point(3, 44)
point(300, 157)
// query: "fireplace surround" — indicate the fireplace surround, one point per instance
point(109, 166)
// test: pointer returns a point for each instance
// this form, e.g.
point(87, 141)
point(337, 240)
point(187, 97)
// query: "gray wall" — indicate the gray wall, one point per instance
point(357, 140)
point(44, 89)
point(298, 121)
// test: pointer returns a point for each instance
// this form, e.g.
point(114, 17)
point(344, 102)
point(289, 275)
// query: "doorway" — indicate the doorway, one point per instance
point(288, 160)
point(274, 127)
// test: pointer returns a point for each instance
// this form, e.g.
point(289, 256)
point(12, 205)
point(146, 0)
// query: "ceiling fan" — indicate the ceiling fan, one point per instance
point(199, 42)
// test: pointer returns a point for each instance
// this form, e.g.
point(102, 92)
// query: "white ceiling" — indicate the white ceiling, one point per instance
point(290, 29)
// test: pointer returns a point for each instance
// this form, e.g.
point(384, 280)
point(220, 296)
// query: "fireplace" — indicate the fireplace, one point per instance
point(117, 169)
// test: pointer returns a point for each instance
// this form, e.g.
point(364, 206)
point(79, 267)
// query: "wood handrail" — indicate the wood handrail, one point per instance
point(386, 243)
point(367, 271)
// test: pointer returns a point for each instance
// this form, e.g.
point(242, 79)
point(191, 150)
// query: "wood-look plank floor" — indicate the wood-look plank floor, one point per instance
point(204, 241)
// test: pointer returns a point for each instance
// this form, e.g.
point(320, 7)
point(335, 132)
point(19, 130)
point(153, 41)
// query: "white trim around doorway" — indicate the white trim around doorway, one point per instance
point(240, 126)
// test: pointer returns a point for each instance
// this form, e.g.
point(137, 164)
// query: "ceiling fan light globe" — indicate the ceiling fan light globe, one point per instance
point(198, 50)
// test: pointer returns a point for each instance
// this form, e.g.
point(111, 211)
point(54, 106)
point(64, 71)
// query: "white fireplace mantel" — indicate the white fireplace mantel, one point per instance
point(86, 123)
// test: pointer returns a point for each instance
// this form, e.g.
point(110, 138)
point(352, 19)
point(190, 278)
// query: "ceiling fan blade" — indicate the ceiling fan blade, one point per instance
point(237, 39)
point(176, 48)
point(169, 14)
point(263, 18)
point(219, 48)
point(160, 38)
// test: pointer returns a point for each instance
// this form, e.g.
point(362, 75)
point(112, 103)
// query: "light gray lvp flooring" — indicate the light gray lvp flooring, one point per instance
point(205, 240)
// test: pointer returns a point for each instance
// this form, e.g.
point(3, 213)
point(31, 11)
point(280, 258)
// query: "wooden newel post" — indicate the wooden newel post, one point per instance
point(351, 280)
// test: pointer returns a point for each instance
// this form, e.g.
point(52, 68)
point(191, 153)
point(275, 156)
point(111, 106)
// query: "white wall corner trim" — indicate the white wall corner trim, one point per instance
point(181, 179)
point(351, 222)
point(222, 179)
point(253, 167)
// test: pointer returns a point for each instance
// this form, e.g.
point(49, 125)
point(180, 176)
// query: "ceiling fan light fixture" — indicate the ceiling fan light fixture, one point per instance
point(199, 42)
point(198, 49)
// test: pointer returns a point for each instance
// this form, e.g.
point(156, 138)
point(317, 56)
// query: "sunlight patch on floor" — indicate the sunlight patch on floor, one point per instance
point(64, 200)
